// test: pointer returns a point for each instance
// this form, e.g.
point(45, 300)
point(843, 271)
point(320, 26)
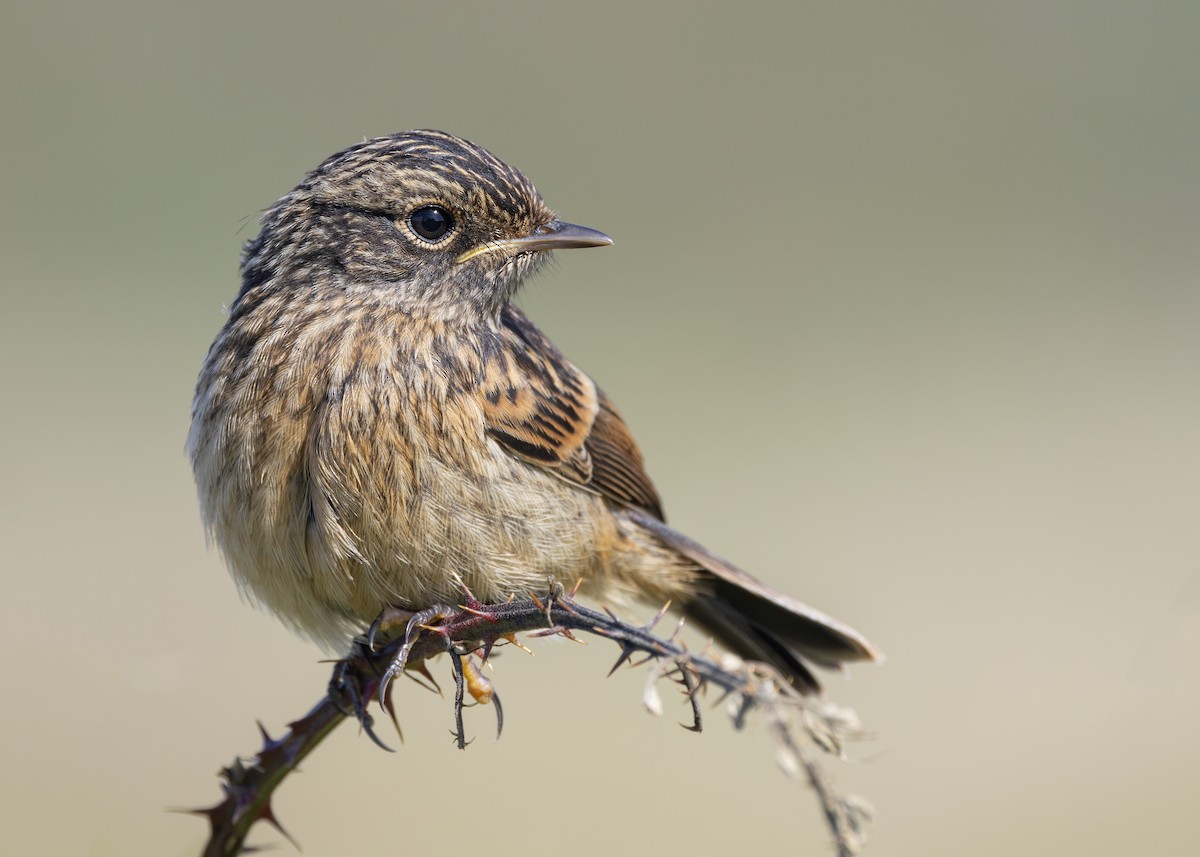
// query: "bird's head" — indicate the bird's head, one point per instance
point(423, 220)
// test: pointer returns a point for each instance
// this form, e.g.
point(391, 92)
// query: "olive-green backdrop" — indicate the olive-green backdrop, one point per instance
point(903, 309)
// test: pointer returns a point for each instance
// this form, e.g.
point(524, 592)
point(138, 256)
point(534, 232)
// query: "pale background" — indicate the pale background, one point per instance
point(903, 308)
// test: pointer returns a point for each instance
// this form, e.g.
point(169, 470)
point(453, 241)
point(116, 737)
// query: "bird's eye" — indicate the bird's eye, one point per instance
point(431, 222)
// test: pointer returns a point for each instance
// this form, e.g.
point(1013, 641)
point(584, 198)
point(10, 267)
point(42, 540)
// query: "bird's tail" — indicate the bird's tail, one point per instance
point(758, 623)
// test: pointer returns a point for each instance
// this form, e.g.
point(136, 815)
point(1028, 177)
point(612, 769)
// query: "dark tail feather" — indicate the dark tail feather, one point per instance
point(757, 622)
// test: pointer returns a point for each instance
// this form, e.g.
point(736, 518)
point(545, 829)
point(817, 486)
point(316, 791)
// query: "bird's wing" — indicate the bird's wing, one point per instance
point(542, 409)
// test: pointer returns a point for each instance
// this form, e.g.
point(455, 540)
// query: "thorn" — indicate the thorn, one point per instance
point(739, 716)
point(575, 588)
point(499, 714)
point(545, 632)
point(725, 692)
point(485, 651)
point(212, 813)
point(649, 626)
point(626, 653)
point(512, 639)
point(269, 743)
point(267, 814)
point(420, 682)
point(678, 627)
point(423, 669)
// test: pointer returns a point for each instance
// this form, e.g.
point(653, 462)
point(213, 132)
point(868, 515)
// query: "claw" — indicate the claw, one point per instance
point(390, 707)
point(372, 631)
point(367, 724)
point(499, 714)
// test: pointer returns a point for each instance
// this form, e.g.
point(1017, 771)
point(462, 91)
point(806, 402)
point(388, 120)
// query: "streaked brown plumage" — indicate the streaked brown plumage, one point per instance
point(378, 425)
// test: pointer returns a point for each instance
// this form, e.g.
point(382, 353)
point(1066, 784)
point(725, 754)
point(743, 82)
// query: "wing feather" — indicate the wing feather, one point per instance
point(547, 412)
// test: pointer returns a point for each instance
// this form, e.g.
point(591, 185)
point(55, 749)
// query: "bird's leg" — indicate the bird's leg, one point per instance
point(417, 623)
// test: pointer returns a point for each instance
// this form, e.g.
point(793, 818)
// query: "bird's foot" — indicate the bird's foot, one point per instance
point(416, 623)
point(349, 693)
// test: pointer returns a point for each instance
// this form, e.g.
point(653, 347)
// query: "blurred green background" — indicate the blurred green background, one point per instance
point(902, 308)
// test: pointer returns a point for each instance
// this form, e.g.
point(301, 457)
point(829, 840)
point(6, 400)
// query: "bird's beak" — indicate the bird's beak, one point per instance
point(555, 235)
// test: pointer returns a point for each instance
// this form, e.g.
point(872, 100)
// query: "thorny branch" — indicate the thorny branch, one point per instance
point(795, 722)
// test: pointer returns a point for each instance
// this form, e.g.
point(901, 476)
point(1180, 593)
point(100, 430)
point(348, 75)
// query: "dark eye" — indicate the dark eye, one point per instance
point(431, 222)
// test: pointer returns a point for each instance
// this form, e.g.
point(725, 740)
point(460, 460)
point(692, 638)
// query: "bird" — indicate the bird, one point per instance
point(378, 425)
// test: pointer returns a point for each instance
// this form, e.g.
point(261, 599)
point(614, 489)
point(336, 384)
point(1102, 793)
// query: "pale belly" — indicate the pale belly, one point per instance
point(328, 524)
